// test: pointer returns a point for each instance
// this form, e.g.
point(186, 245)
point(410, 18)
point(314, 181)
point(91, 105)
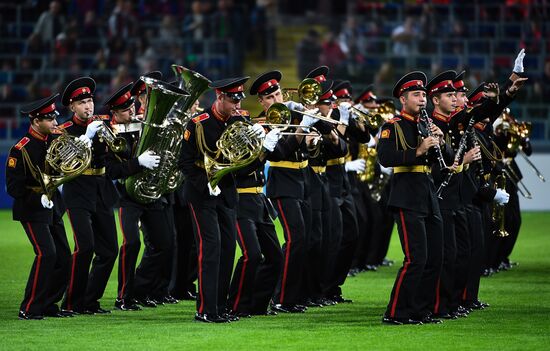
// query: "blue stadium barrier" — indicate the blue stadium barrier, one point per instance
point(5, 200)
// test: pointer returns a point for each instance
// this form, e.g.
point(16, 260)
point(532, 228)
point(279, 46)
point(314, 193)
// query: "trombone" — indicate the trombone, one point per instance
point(280, 115)
point(308, 92)
point(532, 165)
point(522, 188)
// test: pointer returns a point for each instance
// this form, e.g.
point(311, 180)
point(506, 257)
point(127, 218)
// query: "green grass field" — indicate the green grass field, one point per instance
point(519, 316)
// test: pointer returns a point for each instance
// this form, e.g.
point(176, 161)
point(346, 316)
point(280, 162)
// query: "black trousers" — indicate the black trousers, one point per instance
point(49, 273)
point(214, 226)
point(346, 247)
point(512, 225)
point(156, 233)
point(257, 270)
point(293, 215)
point(381, 228)
point(184, 266)
point(330, 246)
point(475, 266)
point(463, 257)
point(364, 223)
point(94, 234)
point(421, 239)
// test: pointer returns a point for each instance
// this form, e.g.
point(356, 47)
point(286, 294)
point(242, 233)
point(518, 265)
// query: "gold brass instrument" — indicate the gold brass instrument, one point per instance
point(278, 115)
point(108, 136)
point(375, 117)
point(237, 147)
point(308, 92)
point(68, 156)
point(498, 210)
point(370, 156)
point(162, 133)
point(522, 188)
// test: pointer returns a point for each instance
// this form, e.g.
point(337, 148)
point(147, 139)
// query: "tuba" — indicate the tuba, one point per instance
point(68, 156)
point(162, 133)
point(498, 214)
point(238, 146)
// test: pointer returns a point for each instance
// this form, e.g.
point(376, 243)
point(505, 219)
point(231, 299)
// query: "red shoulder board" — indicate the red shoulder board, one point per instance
point(103, 117)
point(65, 125)
point(394, 119)
point(57, 131)
point(22, 143)
point(201, 118)
point(244, 113)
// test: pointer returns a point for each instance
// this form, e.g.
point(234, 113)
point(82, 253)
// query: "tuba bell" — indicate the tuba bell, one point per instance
point(163, 136)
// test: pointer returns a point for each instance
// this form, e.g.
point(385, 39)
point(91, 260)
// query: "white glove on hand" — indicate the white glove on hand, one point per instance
point(344, 112)
point(214, 192)
point(307, 122)
point(149, 160)
point(93, 128)
point(518, 64)
point(294, 105)
point(386, 170)
point(372, 142)
point(46, 203)
point(355, 165)
point(271, 139)
point(86, 140)
point(259, 130)
point(501, 197)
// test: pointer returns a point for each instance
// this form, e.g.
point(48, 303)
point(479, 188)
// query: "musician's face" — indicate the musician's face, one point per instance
point(413, 101)
point(228, 106)
point(370, 104)
point(44, 126)
point(324, 109)
point(267, 100)
point(445, 102)
point(125, 116)
point(83, 109)
point(339, 101)
point(461, 99)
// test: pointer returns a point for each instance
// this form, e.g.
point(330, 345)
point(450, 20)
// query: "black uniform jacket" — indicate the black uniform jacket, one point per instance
point(86, 191)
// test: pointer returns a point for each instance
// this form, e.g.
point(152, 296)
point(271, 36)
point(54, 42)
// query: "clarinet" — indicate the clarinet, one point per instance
point(480, 170)
point(459, 153)
point(425, 130)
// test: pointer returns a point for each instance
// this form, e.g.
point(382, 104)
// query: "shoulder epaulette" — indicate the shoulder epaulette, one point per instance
point(22, 143)
point(57, 131)
point(394, 119)
point(103, 117)
point(201, 118)
point(244, 113)
point(65, 125)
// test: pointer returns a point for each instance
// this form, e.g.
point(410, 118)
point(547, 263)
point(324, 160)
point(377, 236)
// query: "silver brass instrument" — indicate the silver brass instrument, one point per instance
point(309, 92)
point(498, 210)
point(238, 146)
point(108, 136)
point(163, 136)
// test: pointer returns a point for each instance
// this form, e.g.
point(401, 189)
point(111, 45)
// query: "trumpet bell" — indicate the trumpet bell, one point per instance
point(309, 91)
point(278, 114)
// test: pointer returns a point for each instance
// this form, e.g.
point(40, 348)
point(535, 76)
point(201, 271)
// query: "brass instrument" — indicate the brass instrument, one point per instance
point(68, 156)
point(280, 115)
point(108, 136)
point(308, 92)
point(520, 185)
point(375, 117)
point(498, 210)
point(378, 185)
point(370, 155)
point(237, 147)
point(162, 133)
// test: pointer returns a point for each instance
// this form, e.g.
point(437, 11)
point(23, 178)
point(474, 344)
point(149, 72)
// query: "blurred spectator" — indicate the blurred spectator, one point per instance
point(404, 37)
point(121, 77)
point(168, 30)
point(122, 22)
point(308, 53)
point(265, 19)
point(531, 37)
point(545, 81)
point(352, 36)
point(428, 27)
point(332, 55)
point(194, 24)
point(228, 23)
point(384, 79)
point(50, 23)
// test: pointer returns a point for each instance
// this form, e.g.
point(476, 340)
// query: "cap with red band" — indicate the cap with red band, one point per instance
point(319, 74)
point(442, 83)
point(327, 95)
point(411, 81)
point(121, 99)
point(477, 94)
point(266, 83)
point(231, 87)
point(43, 108)
point(458, 82)
point(78, 89)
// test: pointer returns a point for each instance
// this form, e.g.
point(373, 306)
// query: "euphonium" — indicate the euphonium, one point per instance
point(498, 210)
point(370, 156)
point(69, 157)
point(163, 136)
point(238, 146)
point(108, 136)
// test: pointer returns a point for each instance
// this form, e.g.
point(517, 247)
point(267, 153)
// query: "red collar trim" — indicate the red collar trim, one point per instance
point(408, 116)
point(37, 135)
point(218, 115)
point(80, 122)
point(441, 117)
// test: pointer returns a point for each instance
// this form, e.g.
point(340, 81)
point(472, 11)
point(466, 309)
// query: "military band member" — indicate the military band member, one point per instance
point(413, 202)
point(139, 91)
point(39, 215)
point(89, 199)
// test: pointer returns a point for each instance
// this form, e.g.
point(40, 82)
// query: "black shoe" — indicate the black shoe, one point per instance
point(445, 316)
point(457, 314)
point(169, 299)
point(188, 295)
point(240, 314)
point(126, 305)
point(287, 308)
point(145, 302)
point(400, 321)
point(230, 317)
point(313, 303)
point(157, 301)
point(328, 302)
point(340, 299)
point(210, 318)
point(96, 310)
point(371, 268)
point(57, 314)
point(30, 316)
point(387, 263)
point(431, 320)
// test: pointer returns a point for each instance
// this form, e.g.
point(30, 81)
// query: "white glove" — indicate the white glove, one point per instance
point(60, 188)
point(518, 64)
point(294, 105)
point(93, 128)
point(386, 170)
point(149, 160)
point(46, 203)
point(259, 130)
point(271, 139)
point(214, 192)
point(344, 112)
point(355, 165)
point(372, 142)
point(308, 121)
point(501, 197)
point(86, 140)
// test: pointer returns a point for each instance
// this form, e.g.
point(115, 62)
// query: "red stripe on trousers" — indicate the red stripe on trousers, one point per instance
point(38, 260)
point(405, 266)
point(243, 270)
point(437, 297)
point(73, 265)
point(201, 307)
point(287, 253)
point(465, 294)
point(122, 254)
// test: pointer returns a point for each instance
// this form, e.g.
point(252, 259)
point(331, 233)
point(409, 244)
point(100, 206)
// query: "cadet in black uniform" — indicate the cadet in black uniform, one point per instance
point(257, 270)
point(213, 210)
point(39, 215)
point(413, 202)
point(90, 199)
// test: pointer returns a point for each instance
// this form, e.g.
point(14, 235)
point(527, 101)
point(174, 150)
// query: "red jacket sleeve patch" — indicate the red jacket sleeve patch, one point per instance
point(65, 125)
point(201, 118)
point(22, 143)
point(385, 134)
point(12, 162)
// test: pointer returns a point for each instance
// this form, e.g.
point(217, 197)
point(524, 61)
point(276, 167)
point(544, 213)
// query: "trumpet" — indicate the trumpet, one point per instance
point(308, 92)
point(374, 118)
